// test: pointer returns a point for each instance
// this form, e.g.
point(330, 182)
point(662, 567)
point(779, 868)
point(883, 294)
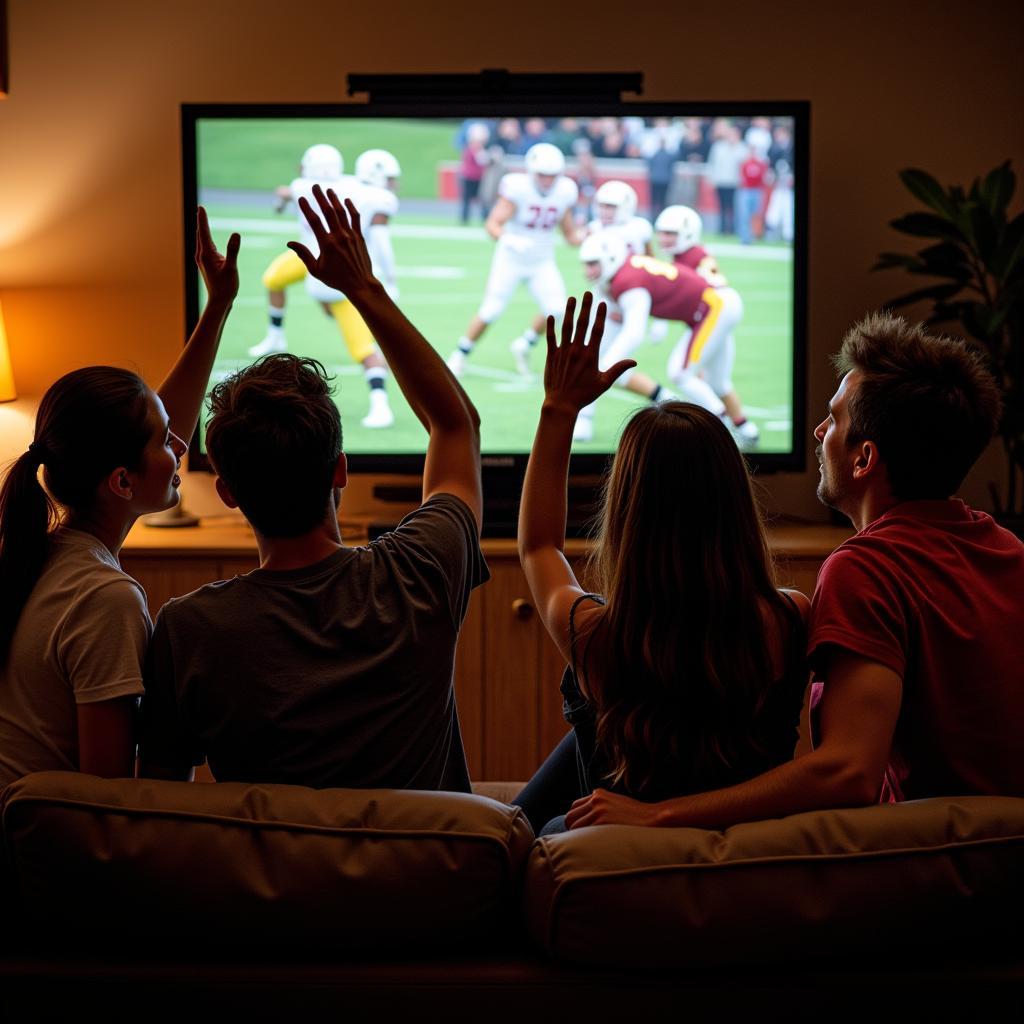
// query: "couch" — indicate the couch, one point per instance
point(156, 899)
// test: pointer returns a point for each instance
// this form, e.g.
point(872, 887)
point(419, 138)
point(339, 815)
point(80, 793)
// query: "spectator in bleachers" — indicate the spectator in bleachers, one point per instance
point(725, 158)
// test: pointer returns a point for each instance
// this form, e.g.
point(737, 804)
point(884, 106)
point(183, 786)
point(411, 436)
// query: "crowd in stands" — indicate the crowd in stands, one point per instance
point(748, 161)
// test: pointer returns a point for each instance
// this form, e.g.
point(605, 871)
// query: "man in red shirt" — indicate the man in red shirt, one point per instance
point(750, 196)
point(916, 633)
point(640, 286)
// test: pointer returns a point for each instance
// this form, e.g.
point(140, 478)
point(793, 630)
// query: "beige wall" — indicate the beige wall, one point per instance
point(90, 179)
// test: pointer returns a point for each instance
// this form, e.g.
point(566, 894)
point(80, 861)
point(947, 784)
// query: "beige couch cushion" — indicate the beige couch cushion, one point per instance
point(350, 870)
point(868, 879)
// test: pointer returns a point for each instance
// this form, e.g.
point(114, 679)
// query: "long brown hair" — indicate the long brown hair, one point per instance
point(683, 562)
point(90, 421)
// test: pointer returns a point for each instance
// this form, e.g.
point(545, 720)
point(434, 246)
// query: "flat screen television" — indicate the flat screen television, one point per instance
point(742, 167)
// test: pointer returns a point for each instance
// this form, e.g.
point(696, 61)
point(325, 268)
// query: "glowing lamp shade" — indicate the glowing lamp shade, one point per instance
point(8, 392)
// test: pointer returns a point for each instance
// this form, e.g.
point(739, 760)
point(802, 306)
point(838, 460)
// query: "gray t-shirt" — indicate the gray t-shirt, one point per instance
point(336, 674)
point(80, 639)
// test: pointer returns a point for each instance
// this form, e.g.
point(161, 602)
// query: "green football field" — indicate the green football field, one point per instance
point(442, 269)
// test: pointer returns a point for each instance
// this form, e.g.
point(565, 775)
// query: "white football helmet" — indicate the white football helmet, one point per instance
point(543, 158)
point(322, 163)
point(606, 248)
point(621, 196)
point(377, 167)
point(686, 224)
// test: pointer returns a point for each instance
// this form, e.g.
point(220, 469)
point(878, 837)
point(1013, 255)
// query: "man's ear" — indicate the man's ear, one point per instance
point(120, 484)
point(867, 461)
point(340, 478)
point(224, 493)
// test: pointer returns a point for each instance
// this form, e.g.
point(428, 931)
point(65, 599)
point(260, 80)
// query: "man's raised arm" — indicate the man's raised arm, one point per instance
point(452, 462)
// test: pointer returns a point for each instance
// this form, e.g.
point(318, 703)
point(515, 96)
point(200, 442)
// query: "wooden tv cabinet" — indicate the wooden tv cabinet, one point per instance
point(507, 670)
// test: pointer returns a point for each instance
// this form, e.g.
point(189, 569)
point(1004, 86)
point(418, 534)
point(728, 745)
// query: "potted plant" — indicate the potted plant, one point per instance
point(976, 255)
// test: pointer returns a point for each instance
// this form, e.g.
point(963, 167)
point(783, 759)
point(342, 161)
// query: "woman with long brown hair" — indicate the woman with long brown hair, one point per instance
point(73, 626)
point(686, 671)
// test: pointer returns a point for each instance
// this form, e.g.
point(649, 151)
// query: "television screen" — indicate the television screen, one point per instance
point(698, 208)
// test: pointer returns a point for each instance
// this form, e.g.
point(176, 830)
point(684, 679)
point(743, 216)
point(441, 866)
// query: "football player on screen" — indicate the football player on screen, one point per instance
point(700, 365)
point(377, 169)
point(322, 163)
point(616, 211)
point(522, 222)
point(679, 229)
point(369, 190)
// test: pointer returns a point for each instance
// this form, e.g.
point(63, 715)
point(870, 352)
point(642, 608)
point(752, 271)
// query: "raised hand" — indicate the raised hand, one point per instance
point(572, 374)
point(343, 262)
point(220, 273)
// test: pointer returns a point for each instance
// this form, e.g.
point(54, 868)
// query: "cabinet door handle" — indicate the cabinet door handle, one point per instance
point(522, 609)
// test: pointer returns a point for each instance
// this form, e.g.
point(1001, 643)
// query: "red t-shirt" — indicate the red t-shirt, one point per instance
point(752, 172)
point(676, 292)
point(935, 591)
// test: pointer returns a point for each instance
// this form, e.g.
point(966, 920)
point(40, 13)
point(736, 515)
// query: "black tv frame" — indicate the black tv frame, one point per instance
point(503, 472)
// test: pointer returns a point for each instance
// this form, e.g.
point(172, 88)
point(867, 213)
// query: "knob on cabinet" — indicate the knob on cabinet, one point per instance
point(522, 609)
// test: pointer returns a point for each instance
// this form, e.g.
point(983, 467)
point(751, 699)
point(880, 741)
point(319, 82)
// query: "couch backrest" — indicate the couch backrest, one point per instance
point(894, 878)
point(97, 860)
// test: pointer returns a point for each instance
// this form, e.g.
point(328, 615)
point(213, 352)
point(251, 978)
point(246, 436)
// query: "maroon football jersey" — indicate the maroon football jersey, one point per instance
point(676, 292)
point(692, 257)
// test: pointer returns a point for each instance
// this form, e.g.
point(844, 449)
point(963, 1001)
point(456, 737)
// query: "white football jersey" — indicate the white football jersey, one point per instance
point(369, 200)
point(636, 233)
point(537, 214)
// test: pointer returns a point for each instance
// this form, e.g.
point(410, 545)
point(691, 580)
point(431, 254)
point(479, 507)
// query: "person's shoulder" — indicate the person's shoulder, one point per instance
point(567, 190)
point(514, 185)
point(642, 228)
point(799, 600)
point(205, 602)
point(441, 506)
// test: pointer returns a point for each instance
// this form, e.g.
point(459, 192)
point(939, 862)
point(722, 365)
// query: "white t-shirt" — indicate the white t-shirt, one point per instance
point(369, 200)
point(537, 214)
point(636, 233)
point(81, 638)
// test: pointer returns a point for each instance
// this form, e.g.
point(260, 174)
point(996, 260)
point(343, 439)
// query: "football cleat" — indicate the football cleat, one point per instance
point(457, 362)
point(747, 435)
point(273, 342)
point(583, 429)
point(520, 349)
point(380, 414)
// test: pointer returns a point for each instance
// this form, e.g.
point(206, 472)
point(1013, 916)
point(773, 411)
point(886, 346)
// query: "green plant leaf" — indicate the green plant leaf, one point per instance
point(888, 260)
point(982, 321)
point(928, 190)
point(947, 259)
point(927, 225)
point(1008, 259)
point(935, 291)
point(984, 231)
point(997, 189)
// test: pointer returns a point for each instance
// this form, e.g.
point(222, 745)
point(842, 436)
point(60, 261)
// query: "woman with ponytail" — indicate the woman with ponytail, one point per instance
point(686, 672)
point(73, 625)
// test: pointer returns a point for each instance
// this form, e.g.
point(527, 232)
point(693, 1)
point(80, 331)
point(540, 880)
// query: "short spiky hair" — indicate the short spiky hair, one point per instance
point(274, 437)
point(926, 400)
